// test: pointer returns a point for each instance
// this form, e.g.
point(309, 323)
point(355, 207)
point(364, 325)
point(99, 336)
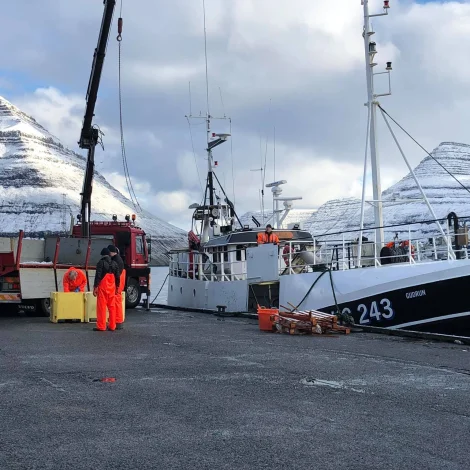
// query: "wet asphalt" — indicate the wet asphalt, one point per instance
point(194, 391)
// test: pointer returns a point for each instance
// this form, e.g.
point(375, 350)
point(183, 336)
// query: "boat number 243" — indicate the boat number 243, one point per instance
point(375, 310)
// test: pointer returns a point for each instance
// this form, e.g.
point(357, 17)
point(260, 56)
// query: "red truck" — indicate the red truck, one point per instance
point(31, 269)
point(135, 251)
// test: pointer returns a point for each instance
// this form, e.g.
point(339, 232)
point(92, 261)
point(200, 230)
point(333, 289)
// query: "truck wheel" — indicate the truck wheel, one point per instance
point(44, 307)
point(133, 293)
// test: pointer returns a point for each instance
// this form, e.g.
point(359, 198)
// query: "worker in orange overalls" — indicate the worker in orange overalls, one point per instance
point(105, 288)
point(268, 236)
point(74, 280)
point(114, 252)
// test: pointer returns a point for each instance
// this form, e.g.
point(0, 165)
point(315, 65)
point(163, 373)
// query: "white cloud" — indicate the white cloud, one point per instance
point(57, 112)
point(306, 56)
point(149, 75)
point(61, 114)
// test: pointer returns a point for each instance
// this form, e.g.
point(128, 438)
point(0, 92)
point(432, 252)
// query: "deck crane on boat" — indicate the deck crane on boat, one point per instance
point(90, 134)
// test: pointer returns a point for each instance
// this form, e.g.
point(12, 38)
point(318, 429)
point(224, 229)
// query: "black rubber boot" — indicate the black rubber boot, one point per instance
point(119, 326)
point(97, 329)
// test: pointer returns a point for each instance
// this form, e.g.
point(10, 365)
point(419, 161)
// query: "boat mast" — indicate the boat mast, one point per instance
point(370, 51)
point(210, 180)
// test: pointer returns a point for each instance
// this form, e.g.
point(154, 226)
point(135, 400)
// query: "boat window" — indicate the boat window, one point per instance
point(239, 252)
point(226, 253)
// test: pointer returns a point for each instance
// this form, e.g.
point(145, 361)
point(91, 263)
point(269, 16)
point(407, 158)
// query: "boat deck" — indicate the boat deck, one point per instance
point(196, 391)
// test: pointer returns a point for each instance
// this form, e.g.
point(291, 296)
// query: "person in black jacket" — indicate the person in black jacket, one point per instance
point(105, 288)
point(114, 252)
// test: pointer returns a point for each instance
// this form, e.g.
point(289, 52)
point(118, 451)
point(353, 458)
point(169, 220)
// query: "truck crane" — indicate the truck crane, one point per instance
point(31, 269)
point(90, 134)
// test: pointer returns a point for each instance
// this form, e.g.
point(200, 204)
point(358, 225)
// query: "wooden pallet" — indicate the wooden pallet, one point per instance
point(309, 322)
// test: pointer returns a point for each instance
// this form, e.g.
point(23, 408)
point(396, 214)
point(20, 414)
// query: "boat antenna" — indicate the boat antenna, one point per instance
point(231, 157)
point(205, 56)
point(274, 144)
point(210, 181)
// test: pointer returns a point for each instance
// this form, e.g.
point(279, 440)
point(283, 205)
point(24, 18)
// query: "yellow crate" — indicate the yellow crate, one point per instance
point(67, 306)
point(90, 307)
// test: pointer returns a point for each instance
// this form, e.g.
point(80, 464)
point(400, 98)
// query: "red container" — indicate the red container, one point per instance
point(266, 318)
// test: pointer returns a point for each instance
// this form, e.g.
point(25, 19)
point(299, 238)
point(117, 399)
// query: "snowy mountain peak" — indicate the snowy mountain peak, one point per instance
point(12, 119)
point(41, 181)
point(403, 202)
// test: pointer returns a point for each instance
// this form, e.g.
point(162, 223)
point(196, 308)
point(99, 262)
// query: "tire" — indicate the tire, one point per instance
point(44, 307)
point(133, 293)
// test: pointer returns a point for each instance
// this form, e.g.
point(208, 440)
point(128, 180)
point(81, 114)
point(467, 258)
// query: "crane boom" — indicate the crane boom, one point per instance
point(89, 135)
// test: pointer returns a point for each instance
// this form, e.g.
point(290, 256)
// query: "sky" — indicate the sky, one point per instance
point(294, 69)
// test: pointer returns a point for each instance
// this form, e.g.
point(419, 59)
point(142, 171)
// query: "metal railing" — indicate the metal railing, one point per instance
point(345, 254)
point(296, 257)
point(198, 266)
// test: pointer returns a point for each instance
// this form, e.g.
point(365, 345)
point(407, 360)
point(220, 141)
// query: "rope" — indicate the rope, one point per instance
point(164, 282)
point(422, 148)
point(130, 188)
point(339, 314)
point(367, 229)
point(223, 191)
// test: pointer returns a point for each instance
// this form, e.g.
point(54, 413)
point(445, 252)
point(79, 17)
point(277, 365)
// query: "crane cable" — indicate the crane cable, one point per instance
point(127, 176)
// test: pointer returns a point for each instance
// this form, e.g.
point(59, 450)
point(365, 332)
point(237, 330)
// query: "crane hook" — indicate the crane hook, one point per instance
point(119, 36)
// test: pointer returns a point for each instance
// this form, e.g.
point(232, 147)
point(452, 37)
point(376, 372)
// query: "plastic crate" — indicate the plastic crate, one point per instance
point(90, 307)
point(266, 318)
point(67, 306)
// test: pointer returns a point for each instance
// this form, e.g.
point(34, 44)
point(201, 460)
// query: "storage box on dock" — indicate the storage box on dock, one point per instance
point(90, 307)
point(67, 306)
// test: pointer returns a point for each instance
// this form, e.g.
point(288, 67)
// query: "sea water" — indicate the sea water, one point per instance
point(158, 278)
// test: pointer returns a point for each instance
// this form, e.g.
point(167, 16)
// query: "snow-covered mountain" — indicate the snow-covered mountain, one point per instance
point(36, 171)
point(294, 216)
point(403, 203)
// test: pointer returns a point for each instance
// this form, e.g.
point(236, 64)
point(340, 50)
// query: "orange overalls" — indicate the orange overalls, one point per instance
point(79, 282)
point(119, 312)
point(106, 298)
point(264, 237)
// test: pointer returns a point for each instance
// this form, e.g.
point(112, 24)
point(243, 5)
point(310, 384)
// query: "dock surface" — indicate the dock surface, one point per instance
point(194, 391)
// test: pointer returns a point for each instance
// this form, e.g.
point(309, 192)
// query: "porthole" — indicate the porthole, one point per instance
point(194, 292)
point(171, 288)
point(181, 290)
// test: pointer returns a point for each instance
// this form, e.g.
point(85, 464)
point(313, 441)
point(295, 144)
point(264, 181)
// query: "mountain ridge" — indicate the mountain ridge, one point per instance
point(36, 170)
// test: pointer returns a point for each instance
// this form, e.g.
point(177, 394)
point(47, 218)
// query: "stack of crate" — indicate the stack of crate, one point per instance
point(76, 307)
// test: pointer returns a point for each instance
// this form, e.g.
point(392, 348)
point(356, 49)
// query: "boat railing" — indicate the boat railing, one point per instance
point(198, 266)
point(342, 254)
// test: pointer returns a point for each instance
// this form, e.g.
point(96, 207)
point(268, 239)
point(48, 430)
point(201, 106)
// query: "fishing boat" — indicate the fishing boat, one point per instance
point(403, 284)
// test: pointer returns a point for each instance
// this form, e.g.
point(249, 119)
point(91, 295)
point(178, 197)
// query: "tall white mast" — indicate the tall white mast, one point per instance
point(370, 51)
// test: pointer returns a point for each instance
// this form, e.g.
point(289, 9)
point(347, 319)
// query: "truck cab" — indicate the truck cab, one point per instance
point(134, 250)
